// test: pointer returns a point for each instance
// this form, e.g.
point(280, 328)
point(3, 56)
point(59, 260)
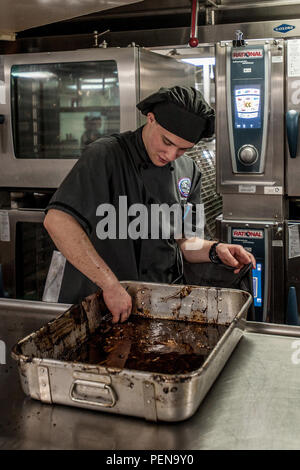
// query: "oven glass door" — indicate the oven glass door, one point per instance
point(34, 250)
point(59, 108)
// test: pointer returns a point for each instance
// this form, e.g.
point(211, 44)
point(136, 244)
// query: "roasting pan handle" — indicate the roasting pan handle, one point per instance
point(95, 385)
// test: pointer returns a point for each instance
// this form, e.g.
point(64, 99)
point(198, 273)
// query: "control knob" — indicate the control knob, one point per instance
point(248, 154)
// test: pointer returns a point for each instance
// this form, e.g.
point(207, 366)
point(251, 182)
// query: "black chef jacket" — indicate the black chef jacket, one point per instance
point(120, 166)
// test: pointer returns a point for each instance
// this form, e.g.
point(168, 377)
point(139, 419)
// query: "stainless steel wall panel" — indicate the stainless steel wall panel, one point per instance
point(249, 207)
point(157, 71)
point(209, 34)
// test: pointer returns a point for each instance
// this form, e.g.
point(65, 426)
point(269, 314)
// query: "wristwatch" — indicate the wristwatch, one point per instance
point(214, 258)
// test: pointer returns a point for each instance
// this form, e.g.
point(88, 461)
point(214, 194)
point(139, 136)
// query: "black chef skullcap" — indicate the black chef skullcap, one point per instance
point(181, 111)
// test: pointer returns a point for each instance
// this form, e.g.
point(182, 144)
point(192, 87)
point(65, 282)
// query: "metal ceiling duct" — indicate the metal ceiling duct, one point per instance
point(242, 4)
point(19, 15)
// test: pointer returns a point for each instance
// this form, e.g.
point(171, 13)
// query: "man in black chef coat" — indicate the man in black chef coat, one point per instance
point(116, 174)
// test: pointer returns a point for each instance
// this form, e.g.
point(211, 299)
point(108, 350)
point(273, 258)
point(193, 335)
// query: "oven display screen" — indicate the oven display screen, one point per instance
point(257, 285)
point(247, 107)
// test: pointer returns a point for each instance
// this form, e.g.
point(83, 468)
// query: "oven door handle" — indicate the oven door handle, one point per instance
point(292, 126)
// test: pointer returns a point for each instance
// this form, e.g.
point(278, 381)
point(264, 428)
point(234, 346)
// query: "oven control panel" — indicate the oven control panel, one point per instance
point(247, 106)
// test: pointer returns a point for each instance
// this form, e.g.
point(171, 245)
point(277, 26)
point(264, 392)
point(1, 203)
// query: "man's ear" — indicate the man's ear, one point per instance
point(150, 117)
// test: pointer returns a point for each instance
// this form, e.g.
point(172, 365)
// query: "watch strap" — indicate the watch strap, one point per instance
point(214, 258)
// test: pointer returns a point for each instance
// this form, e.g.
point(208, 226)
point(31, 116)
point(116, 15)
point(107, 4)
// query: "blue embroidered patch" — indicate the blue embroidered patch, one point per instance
point(184, 186)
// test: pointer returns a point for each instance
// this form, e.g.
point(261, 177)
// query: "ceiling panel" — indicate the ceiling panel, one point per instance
point(255, 3)
point(18, 15)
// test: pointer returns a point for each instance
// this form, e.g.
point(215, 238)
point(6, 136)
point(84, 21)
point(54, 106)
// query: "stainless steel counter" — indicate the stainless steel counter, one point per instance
point(254, 404)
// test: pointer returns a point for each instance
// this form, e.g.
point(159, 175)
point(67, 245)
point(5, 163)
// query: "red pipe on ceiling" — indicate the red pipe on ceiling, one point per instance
point(193, 42)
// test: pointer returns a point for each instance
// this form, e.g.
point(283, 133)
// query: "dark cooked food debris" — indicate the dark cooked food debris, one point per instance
point(151, 345)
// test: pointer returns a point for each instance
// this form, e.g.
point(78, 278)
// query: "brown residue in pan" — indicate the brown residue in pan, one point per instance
point(150, 345)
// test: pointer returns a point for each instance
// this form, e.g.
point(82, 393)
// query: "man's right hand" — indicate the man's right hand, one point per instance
point(75, 245)
point(118, 302)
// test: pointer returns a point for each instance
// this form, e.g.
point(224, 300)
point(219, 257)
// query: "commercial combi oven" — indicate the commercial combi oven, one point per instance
point(26, 253)
point(258, 164)
point(53, 104)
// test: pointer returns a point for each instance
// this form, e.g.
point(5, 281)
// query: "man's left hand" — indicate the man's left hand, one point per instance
point(235, 256)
